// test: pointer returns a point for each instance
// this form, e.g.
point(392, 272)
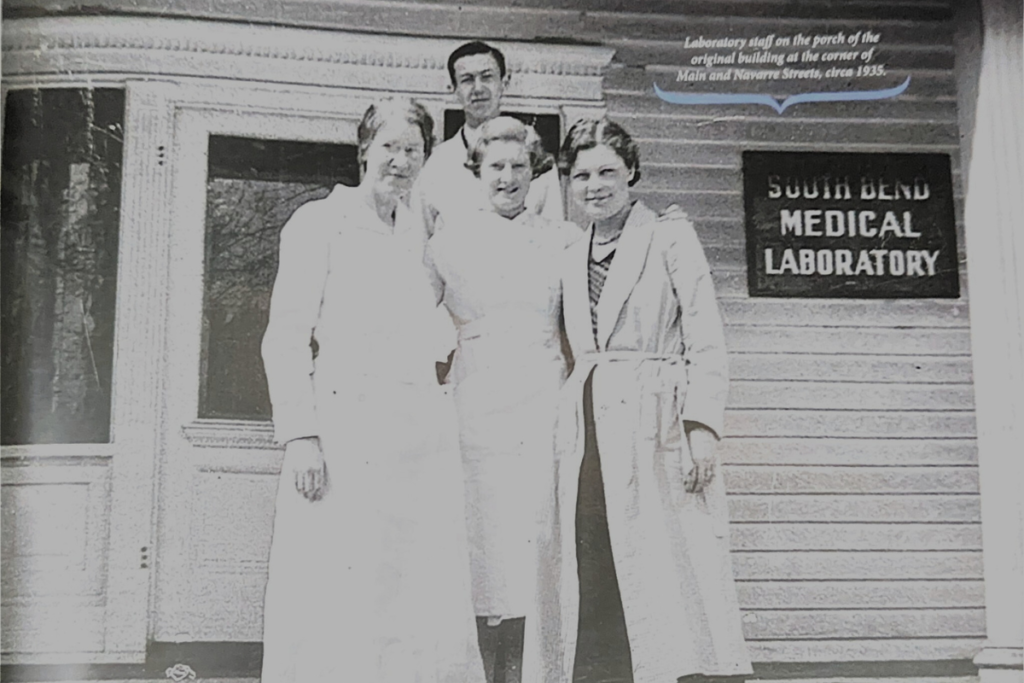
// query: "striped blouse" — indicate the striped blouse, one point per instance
point(599, 263)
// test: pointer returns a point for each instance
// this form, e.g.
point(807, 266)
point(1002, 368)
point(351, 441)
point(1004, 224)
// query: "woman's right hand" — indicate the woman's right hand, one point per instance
point(306, 460)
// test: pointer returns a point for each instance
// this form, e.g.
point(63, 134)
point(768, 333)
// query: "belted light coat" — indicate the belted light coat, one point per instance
point(658, 360)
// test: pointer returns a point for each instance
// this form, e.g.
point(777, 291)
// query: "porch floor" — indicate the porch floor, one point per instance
point(958, 679)
point(755, 679)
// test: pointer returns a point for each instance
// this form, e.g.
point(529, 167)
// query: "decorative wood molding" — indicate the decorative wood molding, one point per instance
point(14, 455)
point(1000, 658)
point(139, 342)
point(230, 434)
point(135, 46)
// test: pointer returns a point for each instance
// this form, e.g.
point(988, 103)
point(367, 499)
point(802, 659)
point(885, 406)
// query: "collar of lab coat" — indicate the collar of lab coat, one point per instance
point(627, 266)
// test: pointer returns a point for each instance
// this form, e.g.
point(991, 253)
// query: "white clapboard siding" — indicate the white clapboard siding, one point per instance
point(926, 85)
point(850, 480)
point(861, 595)
point(910, 423)
point(911, 109)
point(813, 565)
point(848, 342)
point(850, 396)
point(858, 452)
point(808, 132)
point(868, 650)
point(902, 313)
point(714, 152)
point(851, 507)
point(907, 26)
point(720, 171)
point(954, 371)
point(800, 536)
point(864, 623)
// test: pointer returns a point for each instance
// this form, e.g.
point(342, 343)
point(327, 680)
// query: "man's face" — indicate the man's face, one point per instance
point(479, 87)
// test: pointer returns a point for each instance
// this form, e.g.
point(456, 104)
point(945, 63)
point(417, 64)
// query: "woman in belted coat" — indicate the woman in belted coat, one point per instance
point(638, 583)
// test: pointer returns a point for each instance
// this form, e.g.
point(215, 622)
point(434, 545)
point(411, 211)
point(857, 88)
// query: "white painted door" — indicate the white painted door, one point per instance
point(241, 161)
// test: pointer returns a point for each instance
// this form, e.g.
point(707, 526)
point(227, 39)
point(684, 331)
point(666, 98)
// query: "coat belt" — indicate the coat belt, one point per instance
point(596, 357)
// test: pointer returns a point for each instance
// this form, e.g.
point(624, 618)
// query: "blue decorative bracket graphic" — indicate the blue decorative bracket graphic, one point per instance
point(755, 98)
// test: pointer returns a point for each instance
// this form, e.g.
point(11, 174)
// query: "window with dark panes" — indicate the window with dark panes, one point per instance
point(253, 187)
point(548, 126)
point(59, 220)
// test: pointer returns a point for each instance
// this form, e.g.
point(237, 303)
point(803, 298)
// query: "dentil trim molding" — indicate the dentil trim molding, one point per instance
point(115, 48)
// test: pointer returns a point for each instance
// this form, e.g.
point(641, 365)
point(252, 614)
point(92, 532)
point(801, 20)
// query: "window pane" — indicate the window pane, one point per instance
point(546, 125)
point(253, 187)
point(61, 192)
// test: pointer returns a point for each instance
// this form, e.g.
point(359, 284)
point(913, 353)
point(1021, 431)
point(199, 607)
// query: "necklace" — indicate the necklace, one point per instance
point(602, 249)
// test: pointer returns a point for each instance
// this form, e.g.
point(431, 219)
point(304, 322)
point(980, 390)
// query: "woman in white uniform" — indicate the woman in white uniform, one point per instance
point(369, 577)
point(496, 270)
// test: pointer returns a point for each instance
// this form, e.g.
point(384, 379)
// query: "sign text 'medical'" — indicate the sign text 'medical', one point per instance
point(850, 225)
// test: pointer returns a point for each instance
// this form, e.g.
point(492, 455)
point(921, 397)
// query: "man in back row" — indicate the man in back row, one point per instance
point(445, 187)
point(478, 78)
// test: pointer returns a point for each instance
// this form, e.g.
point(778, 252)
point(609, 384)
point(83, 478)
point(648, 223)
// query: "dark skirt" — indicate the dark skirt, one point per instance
point(602, 646)
point(501, 647)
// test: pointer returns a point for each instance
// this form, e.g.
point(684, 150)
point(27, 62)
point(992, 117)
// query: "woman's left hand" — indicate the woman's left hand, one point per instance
point(703, 445)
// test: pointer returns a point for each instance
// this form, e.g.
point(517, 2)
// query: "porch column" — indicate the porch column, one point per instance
point(995, 271)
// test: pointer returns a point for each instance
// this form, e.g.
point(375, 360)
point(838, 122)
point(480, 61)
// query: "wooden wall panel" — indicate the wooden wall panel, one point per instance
point(776, 536)
point(850, 424)
point(869, 650)
point(903, 313)
point(847, 343)
point(862, 595)
point(859, 452)
point(850, 480)
point(910, 22)
point(905, 565)
point(55, 521)
point(954, 371)
point(784, 507)
point(874, 623)
point(852, 396)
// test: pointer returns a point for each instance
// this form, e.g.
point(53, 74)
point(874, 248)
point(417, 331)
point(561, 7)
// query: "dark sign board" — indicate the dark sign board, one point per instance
point(823, 225)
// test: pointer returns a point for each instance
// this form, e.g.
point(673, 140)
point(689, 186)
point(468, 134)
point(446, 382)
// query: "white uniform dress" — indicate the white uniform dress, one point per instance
point(500, 282)
point(371, 583)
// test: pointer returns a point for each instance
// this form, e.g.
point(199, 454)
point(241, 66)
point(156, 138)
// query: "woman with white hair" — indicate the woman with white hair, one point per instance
point(497, 271)
point(369, 577)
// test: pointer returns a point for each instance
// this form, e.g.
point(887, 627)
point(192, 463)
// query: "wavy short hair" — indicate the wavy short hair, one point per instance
point(387, 111)
point(508, 129)
point(589, 133)
point(475, 48)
